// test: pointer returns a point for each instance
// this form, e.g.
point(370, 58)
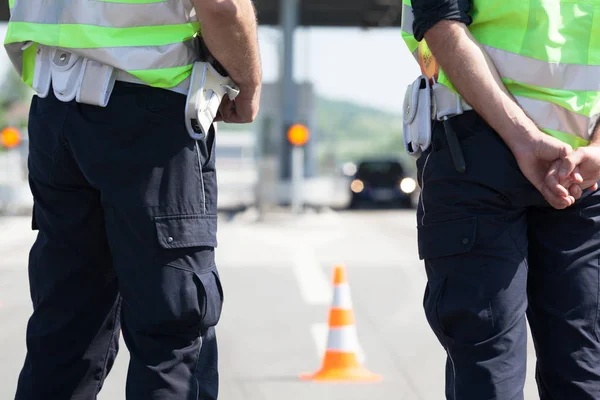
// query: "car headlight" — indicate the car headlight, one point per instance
point(408, 185)
point(357, 186)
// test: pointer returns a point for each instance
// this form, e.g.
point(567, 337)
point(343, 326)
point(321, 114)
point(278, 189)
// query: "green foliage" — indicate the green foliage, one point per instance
point(349, 132)
point(13, 90)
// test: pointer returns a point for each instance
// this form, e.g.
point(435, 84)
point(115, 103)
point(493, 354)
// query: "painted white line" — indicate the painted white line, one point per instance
point(319, 333)
point(16, 232)
point(314, 285)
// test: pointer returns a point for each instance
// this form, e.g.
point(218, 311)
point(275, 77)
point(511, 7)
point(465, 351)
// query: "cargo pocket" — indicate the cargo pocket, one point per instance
point(458, 299)
point(212, 296)
point(185, 255)
point(179, 235)
point(448, 238)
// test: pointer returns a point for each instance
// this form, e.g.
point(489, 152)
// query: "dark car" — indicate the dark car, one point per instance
point(382, 182)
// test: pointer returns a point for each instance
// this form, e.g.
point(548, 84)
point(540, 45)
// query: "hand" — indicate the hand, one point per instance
point(581, 168)
point(242, 110)
point(557, 185)
point(536, 158)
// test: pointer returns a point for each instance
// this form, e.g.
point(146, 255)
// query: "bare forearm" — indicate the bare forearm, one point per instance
point(229, 30)
point(595, 139)
point(475, 77)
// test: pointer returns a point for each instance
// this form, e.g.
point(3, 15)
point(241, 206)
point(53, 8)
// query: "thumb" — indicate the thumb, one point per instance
point(570, 162)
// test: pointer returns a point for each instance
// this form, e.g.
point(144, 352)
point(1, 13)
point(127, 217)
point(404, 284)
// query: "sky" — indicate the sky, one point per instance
point(368, 67)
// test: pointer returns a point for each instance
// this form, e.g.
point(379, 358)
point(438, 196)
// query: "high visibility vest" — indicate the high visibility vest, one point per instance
point(153, 40)
point(548, 55)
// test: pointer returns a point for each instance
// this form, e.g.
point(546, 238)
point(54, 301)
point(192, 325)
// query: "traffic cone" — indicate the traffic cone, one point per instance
point(340, 362)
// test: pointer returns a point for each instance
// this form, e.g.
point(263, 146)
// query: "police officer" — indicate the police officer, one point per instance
point(507, 238)
point(125, 200)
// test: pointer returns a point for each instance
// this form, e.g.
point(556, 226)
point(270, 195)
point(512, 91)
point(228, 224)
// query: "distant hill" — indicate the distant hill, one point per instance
point(347, 131)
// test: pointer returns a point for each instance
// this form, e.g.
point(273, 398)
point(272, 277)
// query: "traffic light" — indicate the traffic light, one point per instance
point(10, 137)
point(298, 134)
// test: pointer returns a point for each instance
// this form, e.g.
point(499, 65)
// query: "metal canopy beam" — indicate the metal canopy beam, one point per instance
point(4, 14)
point(332, 13)
point(358, 13)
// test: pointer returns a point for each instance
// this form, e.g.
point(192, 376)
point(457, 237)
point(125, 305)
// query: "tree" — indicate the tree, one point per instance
point(13, 90)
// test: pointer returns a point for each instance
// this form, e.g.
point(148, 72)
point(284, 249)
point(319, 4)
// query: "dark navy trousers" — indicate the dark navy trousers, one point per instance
point(498, 256)
point(125, 205)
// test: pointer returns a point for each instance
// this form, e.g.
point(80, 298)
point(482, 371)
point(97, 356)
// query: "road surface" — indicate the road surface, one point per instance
point(276, 276)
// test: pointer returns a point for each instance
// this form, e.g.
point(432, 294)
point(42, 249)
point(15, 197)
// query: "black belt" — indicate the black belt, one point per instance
point(449, 136)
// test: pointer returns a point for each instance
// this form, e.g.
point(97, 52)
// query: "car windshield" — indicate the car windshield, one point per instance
point(379, 168)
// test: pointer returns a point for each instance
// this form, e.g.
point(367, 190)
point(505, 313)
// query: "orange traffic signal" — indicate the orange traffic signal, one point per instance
point(298, 134)
point(10, 137)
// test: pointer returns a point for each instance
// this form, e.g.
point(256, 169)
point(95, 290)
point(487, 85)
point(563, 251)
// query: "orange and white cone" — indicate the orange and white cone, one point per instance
point(340, 362)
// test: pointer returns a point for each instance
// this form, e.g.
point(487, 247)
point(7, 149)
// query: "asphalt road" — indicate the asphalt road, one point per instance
point(276, 276)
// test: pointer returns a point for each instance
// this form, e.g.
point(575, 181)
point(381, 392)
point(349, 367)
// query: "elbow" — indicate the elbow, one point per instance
point(219, 9)
point(444, 33)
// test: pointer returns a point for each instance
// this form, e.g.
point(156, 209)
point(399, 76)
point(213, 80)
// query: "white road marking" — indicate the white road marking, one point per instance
point(319, 334)
point(15, 231)
point(314, 285)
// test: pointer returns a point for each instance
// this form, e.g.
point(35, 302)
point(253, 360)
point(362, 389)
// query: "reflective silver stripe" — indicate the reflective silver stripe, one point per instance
point(125, 58)
point(99, 13)
point(140, 58)
point(545, 114)
point(16, 55)
point(535, 72)
point(552, 116)
point(407, 19)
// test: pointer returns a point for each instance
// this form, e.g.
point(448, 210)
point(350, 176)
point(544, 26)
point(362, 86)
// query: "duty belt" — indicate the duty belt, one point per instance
point(87, 81)
point(424, 103)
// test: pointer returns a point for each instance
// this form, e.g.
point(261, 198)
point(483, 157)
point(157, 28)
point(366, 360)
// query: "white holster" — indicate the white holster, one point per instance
point(417, 116)
point(422, 104)
point(72, 77)
point(90, 82)
point(207, 89)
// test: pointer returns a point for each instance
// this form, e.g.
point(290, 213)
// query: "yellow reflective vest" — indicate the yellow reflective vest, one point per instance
point(153, 40)
point(548, 55)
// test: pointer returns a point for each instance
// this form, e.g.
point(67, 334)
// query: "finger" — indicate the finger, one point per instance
point(569, 163)
point(553, 170)
point(577, 175)
point(551, 182)
point(227, 110)
point(555, 201)
point(594, 187)
point(575, 191)
point(574, 178)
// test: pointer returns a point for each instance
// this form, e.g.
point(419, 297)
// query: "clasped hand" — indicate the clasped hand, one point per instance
point(569, 176)
point(560, 173)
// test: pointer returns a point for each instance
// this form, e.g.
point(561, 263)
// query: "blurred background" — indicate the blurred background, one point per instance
point(319, 179)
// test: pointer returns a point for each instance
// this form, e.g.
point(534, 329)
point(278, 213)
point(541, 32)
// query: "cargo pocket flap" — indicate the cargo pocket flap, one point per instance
point(447, 238)
point(186, 231)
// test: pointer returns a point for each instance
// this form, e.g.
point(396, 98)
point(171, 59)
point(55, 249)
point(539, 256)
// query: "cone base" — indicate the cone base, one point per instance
point(354, 374)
